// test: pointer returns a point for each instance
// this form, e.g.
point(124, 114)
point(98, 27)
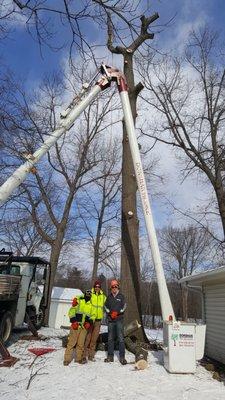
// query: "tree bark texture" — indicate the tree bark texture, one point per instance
point(130, 259)
point(97, 243)
point(54, 259)
point(220, 194)
point(184, 293)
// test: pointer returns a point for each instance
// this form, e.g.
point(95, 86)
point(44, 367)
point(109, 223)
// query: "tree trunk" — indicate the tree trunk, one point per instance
point(184, 294)
point(54, 259)
point(95, 265)
point(220, 194)
point(97, 241)
point(130, 260)
point(153, 320)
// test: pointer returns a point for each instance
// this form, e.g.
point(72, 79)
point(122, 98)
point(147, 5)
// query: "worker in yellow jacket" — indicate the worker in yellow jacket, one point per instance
point(98, 300)
point(82, 316)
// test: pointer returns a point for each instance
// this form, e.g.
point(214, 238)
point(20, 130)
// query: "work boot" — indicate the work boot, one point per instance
point(65, 363)
point(83, 361)
point(123, 361)
point(109, 359)
point(91, 359)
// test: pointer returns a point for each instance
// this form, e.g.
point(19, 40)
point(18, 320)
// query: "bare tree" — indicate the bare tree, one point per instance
point(18, 234)
point(130, 262)
point(45, 22)
point(184, 250)
point(187, 97)
point(99, 208)
point(71, 278)
point(48, 195)
point(50, 23)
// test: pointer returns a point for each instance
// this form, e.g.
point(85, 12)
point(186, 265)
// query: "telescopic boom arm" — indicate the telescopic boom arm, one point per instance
point(68, 117)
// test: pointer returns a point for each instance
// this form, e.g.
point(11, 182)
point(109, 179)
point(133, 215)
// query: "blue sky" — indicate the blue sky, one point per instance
point(22, 54)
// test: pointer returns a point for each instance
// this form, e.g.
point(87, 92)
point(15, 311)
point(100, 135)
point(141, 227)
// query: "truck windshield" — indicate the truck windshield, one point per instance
point(6, 269)
point(40, 274)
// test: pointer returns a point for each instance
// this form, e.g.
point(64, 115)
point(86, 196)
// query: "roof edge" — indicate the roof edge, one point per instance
point(204, 276)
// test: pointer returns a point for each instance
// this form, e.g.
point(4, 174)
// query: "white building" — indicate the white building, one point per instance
point(212, 286)
point(61, 301)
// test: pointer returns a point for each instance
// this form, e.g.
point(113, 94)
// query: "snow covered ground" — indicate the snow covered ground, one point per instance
point(98, 381)
point(154, 335)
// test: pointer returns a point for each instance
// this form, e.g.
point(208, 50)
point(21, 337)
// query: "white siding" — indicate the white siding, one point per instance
point(214, 310)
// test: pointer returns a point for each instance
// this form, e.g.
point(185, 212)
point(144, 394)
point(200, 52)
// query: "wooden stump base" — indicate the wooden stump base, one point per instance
point(141, 364)
point(141, 354)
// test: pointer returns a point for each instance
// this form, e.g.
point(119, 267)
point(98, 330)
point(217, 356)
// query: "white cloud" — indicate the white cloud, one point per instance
point(188, 15)
point(15, 17)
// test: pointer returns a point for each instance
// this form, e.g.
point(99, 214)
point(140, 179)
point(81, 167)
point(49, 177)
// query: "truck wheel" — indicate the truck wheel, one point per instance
point(6, 325)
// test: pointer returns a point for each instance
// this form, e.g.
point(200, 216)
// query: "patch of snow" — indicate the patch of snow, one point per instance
point(99, 380)
point(155, 335)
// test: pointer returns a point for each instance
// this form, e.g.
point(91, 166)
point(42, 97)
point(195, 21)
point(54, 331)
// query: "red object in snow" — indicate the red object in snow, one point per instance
point(41, 350)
